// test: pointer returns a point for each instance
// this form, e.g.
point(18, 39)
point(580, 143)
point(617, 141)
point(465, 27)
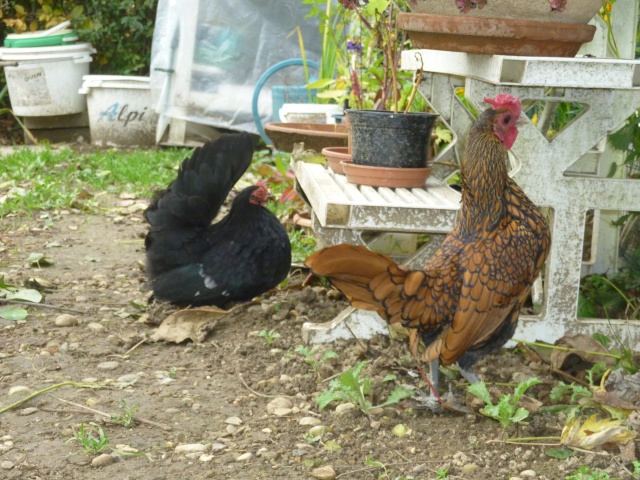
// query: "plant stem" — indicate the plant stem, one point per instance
point(566, 349)
point(620, 292)
point(325, 38)
point(52, 387)
point(529, 440)
point(32, 138)
point(416, 84)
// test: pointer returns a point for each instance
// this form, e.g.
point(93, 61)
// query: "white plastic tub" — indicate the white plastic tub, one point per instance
point(120, 110)
point(46, 80)
point(309, 113)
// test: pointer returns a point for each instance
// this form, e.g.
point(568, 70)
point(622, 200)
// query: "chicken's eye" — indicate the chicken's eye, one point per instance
point(507, 119)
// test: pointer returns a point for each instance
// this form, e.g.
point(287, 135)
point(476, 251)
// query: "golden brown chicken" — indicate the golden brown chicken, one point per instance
point(466, 301)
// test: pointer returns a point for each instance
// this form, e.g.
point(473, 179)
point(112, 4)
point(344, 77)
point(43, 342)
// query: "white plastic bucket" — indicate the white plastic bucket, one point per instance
point(46, 80)
point(120, 111)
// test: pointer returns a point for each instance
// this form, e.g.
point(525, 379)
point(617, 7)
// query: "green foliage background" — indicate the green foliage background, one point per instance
point(120, 30)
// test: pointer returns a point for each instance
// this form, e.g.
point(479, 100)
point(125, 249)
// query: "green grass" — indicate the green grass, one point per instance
point(34, 180)
point(92, 440)
point(43, 179)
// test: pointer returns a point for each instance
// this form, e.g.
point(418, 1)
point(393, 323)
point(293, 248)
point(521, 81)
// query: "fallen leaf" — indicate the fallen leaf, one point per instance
point(625, 386)
point(594, 433)
point(612, 400)
point(585, 347)
point(561, 453)
point(190, 323)
point(39, 260)
point(13, 314)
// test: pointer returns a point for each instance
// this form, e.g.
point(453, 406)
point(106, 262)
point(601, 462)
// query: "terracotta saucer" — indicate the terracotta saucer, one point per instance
point(385, 176)
point(315, 136)
point(335, 156)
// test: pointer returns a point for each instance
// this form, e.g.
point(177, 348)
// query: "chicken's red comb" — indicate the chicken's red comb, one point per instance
point(504, 100)
point(262, 185)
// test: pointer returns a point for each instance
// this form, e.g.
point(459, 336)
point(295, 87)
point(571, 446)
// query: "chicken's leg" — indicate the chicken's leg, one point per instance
point(469, 375)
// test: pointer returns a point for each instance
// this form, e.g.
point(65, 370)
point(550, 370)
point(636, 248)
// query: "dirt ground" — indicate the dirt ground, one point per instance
point(202, 408)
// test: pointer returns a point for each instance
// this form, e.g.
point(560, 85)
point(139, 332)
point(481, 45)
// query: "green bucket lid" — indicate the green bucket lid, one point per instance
point(35, 39)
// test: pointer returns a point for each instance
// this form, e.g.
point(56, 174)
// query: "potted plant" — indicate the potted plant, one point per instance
point(384, 133)
point(555, 28)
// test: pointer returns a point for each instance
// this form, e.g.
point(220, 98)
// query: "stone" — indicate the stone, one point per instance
point(281, 412)
point(469, 468)
point(27, 411)
point(191, 448)
point(233, 421)
point(279, 402)
point(108, 365)
point(244, 457)
point(18, 389)
point(102, 460)
point(325, 472)
point(344, 408)
point(66, 320)
point(309, 421)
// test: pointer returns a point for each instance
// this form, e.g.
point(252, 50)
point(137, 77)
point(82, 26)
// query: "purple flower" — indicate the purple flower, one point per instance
point(558, 5)
point(355, 47)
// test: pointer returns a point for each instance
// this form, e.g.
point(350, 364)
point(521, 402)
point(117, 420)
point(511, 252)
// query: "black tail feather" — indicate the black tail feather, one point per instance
point(179, 215)
point(194, 198)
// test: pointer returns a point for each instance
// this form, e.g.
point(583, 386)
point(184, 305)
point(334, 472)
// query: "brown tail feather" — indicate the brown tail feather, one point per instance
point(351, 269)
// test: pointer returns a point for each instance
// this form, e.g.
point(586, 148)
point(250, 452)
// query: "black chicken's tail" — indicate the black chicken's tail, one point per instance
point(204, 180)
point(179, 215)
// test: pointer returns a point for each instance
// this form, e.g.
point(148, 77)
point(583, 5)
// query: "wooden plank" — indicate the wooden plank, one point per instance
point(390, 196)
point(408, 197)
point(327, 199)
point(350, 189)
point(372, 195)
point(401, 219)
point(529, 71)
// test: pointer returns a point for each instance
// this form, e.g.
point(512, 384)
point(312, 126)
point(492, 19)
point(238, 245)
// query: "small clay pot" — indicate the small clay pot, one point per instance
point(336, 155)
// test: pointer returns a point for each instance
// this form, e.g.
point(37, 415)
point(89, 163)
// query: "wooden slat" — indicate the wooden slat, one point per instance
point(390, 196)
point(372, 195)
point(340, 204)
point(408, 197)
point(327, 199)
point(350, 189)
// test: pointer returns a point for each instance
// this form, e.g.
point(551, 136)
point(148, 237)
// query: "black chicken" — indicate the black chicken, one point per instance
point(193, 262)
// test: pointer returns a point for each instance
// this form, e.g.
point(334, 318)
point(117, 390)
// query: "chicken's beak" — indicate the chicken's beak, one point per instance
point(522, 119)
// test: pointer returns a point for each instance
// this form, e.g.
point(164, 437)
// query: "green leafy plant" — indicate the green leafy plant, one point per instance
point(442, 474)
point(269, 337)
point(122, 29)
point(331, 23)
point(586, 473)
point(125, 419)
point(506, 411)
point(17, 294)
point(604, 297)
point(309, 355)
point(579, 395)
point(368, 74)
point(370, 462)
point(354, 388)
point(302, 245)
point(93, 440)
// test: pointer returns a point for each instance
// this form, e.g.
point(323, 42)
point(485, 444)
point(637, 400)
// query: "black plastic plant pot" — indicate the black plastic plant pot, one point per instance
point(382, 138)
